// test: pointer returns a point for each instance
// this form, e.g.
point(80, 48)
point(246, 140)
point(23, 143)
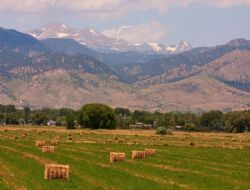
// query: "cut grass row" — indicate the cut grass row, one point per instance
point(174, 167)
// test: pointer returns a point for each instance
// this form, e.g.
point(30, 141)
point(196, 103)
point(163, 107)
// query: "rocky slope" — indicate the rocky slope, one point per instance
point(200, 79)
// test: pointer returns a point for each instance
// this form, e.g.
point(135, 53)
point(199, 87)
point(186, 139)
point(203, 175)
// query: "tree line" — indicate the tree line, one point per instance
point(97, 116)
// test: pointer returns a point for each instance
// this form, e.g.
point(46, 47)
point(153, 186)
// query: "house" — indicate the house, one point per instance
point(140, 125)
point(51, 123)
point(178, 127)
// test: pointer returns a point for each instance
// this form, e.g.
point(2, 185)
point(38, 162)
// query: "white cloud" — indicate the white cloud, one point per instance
point(25, 5)
point(103, 7)
point(228, 3)
point(152, 31)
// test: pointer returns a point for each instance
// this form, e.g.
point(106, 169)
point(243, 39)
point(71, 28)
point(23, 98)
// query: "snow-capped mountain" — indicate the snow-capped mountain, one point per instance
point(160, 48)
point(99, 42)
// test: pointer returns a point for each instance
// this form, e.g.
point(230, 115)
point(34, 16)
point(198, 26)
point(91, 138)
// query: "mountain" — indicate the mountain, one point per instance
point(150, 47)
point(64, 73)
point(195, 93)
point(179, 64)
point(56, 79)
point(19, 42)
point(232, 68)
point(99, 42)
point(73, 47)
point(68, 46)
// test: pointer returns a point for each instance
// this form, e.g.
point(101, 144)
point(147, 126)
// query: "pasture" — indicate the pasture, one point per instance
point(190, 161)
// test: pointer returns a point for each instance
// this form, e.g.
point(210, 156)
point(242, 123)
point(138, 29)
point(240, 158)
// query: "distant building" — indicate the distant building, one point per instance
point(178, 127)
point(51, 123)
point(139, 125)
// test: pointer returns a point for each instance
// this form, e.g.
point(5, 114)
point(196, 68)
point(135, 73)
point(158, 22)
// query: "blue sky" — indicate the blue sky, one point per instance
point(200, 22)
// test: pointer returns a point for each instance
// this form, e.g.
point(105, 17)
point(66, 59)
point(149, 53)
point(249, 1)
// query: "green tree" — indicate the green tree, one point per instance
point(212, 120)
point(13, 118)
point(122, 111)
point(39, 118)
point(70, 121)
point(122, 114)
point(26, 113)
point(169, 119)
point(237, 121)
point(140, 116)
point(97, 116)
point(1, 118)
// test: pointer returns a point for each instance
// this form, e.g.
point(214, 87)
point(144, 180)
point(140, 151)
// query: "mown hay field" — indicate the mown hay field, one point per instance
point(183, 160)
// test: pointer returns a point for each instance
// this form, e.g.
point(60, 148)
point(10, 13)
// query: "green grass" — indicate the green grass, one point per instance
point(207, 165)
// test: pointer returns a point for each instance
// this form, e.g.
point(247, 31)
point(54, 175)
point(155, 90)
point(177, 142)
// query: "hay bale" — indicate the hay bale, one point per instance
point(117, 157)
point(150, 152)
point(138, 154)
point(191, 143)
point(130, 143)
point(120, 141)
point(40, 143)
point(48, 149)
point(54, 142)
point(23, 137)
point(54, 171)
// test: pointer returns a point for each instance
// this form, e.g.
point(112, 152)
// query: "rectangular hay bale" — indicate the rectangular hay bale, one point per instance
point(117, 157)
point(40, 143)
point(54, 171)
point(150, 152)
point(48, 149)
point(138, 154)
point(54, 142)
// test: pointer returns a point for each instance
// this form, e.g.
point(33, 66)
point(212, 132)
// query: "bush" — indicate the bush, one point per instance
point(97, 116)
point(161, 131)
point(190, 127)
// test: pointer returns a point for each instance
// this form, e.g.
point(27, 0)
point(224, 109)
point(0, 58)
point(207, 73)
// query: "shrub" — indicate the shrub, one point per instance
point(161, 131)
point(190, 127)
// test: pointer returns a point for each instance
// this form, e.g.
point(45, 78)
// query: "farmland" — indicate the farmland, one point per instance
point(183, 160)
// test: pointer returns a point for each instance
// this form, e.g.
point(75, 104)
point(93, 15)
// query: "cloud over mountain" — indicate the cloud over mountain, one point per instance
point(108, 6)
point(145, 32)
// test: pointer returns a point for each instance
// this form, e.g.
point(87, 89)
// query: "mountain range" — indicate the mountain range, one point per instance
point(99, 42)
point(63, 72)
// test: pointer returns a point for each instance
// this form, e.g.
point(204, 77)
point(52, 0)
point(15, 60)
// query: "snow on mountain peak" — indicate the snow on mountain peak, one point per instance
point(92, 31)
point(62, 35)
point(99, 42)
point(155, 46)
point(171, 48)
